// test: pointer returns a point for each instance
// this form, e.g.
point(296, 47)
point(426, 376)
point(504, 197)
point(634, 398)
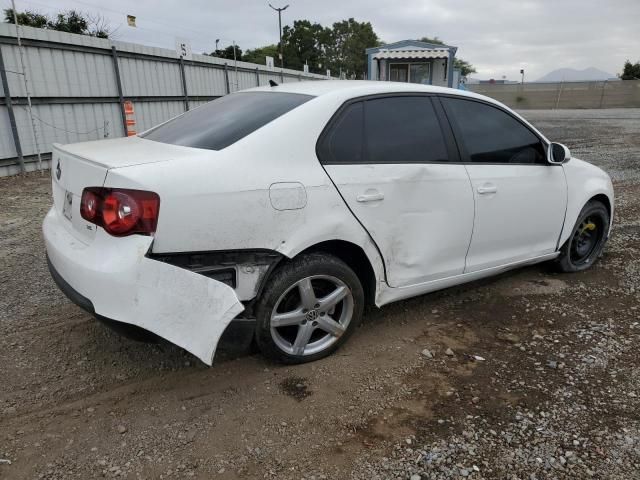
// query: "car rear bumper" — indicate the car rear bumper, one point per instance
point(114, 279)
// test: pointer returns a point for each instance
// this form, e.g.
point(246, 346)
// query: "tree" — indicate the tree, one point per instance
point(26, 18)
point(434, 40)
point(631, 71)
point(304, 43)
point(70, 21)
point(347, 42)
point(228, 53)
point(257, 55)
point(465, 67)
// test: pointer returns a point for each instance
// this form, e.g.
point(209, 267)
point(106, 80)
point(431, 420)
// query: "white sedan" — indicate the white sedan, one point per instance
point(294, 206)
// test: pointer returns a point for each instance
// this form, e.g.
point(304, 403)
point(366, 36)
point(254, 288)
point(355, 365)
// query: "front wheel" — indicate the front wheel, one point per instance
point(587, 239)
point(309, 308)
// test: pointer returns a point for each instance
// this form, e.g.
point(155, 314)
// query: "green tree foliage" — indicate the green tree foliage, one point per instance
point(228, 53)
point(434, 40)
point(465, 67)
point(70, 21)
point(27, 18)
point(305, 42)
point(631, 71)
point(257, 55)
point(347, 41)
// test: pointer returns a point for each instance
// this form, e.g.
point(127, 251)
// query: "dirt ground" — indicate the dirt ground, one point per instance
point(556, 396)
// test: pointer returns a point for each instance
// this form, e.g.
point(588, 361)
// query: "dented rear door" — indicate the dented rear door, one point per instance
point(391, 160)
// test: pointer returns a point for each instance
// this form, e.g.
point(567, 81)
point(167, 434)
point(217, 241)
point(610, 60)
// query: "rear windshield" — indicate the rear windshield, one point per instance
point(226, 120)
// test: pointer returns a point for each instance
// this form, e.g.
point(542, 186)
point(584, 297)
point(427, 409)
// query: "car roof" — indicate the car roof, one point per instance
point(359, 88)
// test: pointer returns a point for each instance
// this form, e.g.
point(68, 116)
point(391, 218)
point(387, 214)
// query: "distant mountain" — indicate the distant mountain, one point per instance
point(573, 75)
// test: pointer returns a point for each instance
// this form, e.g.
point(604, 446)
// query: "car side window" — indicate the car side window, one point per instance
point(344, 141)
point(490, 135)
point(398, 129)
point(403, 130)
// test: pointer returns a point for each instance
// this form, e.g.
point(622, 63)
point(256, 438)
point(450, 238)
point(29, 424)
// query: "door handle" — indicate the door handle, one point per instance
point(370, 197)
point(486, 189)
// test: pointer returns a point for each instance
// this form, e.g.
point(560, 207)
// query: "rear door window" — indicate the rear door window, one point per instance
point(394, 129)
point(491, 135)
point(403, 130)
point(226, 120)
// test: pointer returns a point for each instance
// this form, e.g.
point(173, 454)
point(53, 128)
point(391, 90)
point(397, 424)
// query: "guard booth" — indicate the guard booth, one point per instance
point(412, 61)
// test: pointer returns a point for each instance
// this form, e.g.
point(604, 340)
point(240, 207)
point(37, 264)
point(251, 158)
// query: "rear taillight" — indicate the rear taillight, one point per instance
point(121, 211)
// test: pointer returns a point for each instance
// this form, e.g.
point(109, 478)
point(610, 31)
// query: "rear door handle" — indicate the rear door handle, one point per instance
point(486, 189)
point(370, 197)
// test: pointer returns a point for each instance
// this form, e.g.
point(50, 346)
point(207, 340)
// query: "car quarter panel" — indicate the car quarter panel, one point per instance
point(224, 200)
point(584, 181)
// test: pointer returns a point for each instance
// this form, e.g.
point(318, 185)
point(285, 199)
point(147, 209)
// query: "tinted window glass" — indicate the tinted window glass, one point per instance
point(224, 121)
point(343, 144)
point(403, 130)
point(492, 136)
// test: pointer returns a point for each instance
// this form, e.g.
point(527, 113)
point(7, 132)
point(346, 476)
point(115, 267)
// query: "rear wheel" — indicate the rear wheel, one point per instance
point(587, 239)
point(309, 309)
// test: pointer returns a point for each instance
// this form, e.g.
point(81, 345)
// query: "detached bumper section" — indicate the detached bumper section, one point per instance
point(114, 278)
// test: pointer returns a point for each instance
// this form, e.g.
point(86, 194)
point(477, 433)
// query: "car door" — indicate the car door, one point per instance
point(520, 198)
point(390, 158)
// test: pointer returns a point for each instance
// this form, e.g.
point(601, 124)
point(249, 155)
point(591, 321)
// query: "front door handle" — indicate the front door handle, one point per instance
point(370, 197)
point(487, 188)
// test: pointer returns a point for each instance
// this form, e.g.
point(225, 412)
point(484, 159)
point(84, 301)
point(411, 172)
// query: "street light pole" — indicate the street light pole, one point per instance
point(279, 10)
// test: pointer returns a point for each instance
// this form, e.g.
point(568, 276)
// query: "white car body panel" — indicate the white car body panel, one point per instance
point(187, 309)
point(522, 219)
point(421, 220)
point(260, 194)
point(584, 181)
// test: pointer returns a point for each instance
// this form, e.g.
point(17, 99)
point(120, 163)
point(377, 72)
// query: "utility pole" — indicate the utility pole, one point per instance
point(279, 10)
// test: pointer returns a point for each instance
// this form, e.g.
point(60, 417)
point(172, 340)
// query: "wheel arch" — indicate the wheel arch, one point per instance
point(605, 200)
point(356, 258)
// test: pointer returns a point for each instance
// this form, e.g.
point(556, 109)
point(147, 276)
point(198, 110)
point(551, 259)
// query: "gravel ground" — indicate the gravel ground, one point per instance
point(530, 375)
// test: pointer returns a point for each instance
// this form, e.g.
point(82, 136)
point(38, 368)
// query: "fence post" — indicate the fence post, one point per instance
point(184, 84)
point(257, 77)
point(226, 77)
point(12, 118)
point(604, 86)
point(116, 69)
point(559, 93)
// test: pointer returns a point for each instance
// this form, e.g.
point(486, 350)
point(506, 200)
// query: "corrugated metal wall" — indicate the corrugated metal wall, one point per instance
point(74, 87)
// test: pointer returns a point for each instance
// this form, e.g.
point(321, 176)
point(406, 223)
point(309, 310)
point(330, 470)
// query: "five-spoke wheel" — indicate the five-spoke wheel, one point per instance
point(308, 309)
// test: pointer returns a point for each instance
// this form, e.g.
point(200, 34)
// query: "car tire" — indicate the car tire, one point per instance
point(309, 308)
point(587, 239)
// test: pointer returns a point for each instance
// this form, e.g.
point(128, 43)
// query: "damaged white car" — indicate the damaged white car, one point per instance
point(294, 206)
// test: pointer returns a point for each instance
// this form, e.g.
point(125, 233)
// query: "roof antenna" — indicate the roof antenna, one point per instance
point(272, 83)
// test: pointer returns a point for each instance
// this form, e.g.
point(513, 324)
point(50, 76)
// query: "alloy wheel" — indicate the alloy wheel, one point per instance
point(311, 315)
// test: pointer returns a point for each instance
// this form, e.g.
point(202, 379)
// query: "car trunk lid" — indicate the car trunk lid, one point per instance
point(77, 166)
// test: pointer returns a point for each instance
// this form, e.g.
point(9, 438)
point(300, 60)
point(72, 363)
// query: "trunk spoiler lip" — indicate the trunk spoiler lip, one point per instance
point(57, 147)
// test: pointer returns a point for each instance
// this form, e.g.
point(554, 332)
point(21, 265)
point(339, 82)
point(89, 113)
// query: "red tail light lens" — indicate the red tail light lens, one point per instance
point(121, 211)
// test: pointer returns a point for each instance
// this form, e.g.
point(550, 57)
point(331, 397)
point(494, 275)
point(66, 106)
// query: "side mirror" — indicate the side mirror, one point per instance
point(558, 153)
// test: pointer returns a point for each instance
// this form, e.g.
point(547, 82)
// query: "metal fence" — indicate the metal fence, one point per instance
point(604, 94)
point(79, 85)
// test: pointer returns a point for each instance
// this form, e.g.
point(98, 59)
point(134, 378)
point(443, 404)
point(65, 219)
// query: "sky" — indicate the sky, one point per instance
point(499, 37)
